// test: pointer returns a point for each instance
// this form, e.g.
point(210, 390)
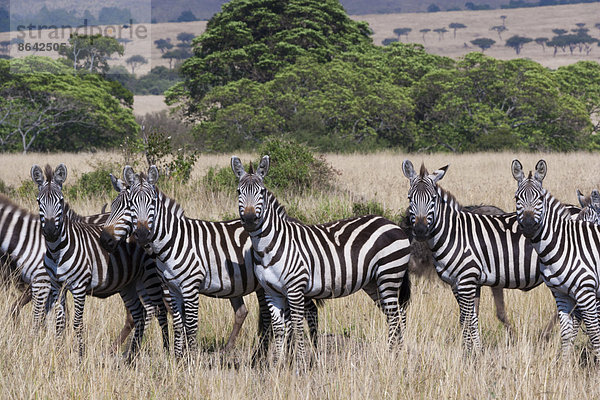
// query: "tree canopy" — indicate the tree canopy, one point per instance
point(45, 105)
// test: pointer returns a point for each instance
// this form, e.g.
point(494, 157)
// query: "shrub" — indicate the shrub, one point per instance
point(94, 183)
point(294, 168)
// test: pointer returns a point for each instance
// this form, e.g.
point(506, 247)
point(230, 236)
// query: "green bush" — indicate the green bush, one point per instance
point(93, 183)
point(294, 167)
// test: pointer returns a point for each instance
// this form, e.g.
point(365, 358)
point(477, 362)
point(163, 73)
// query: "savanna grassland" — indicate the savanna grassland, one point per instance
point(353, 359)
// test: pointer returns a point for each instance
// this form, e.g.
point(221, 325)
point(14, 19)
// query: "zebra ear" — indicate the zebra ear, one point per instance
point(153, 175)
point(517, 171)
point(37, 175)
point(437, 175)
point(581, 198)
point(237, 168)
point(263, 167)
point(408, 169)
point(540, 171)
point(129, 175)
point(60, 174)
point(118, 184)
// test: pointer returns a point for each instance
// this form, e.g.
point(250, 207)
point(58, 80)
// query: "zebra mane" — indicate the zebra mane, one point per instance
point(72, 215)
point(171, 204)
point(49, 172)
point(423, 172)
point(449, 198)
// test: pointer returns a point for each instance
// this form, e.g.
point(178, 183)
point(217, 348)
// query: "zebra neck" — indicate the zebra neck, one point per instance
point(269, 229)
point(555, 219)
point(168, 215)
point(443, 231)
point(20, 230)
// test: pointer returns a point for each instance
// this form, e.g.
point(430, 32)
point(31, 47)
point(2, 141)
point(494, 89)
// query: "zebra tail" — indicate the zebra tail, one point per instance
point(404, 295)
point(319, 302)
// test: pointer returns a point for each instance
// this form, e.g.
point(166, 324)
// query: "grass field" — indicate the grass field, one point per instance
point(353, 360)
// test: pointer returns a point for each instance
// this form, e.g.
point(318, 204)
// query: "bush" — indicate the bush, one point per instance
point(94, 183)
point(294, 168)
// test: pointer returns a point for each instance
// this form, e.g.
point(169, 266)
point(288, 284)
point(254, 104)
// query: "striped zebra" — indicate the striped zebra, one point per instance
point(75, 260)
point(22, 249)
point(295, 261)
point(569, 253)
point(193, 256)
point(469, 250)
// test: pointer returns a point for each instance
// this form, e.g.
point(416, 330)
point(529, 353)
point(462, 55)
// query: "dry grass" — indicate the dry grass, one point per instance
point(353, 360)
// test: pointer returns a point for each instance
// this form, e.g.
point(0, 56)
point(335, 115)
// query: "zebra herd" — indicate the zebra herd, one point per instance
point(159, 261)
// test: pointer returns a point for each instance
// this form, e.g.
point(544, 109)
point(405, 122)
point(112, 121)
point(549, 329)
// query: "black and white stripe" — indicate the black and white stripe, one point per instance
point(569, 253)
point(75, 260)
point(194, 256)
point(469, 250)
point(295, 261)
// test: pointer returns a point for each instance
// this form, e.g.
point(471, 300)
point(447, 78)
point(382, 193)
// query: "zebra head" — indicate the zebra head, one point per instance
point(422, 197)
point(590, 207)
point(50, 199)
point(143, 197)
point(531, 205)
point(118, 226)
point(251, 191)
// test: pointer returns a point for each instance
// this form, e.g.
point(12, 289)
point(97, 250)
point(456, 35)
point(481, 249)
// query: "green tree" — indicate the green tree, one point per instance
point(440, 32)
point(424, 31)
point(490, 104)
point(582, 81)
point(256, 39)
point(185, 37)
point(499, 29)
point(45, 106)
point(542, 42)
point(483, 43)
point(91, 52)
point(517, 42)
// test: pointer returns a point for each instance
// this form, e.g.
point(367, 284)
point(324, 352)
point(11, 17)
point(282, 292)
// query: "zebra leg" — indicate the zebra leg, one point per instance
point(387, 300)
point(265, 332)
point(139, 314)
point(163, 317)
point(498, 294)
point(565, 306)
point(465, 296)
point(240, 312)
point(79, 304)
point(178, 316)
point(547, 331)
point(60, 307)
point(588, 306)
point(190, 310)
point(277, 307)
point(296, 303)
point(311, 313)
point(42, 299)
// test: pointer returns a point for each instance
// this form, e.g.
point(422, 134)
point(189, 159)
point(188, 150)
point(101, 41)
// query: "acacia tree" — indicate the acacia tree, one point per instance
point(483, 43)
point(402, 31)
point(91, 52)
point(135, 61)
point(424, 31)
point(455, 25)
point(499, 29)
point(440, 32)
point(542, 42)
point(163, 45)
point(517, 42)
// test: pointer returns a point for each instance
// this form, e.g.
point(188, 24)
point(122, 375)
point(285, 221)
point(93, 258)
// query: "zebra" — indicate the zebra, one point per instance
point(194, 257)
point(74, 259)
point(569, 255)
point(469, 250)
point(295, 261)
point(421, 262)
point(22, 249)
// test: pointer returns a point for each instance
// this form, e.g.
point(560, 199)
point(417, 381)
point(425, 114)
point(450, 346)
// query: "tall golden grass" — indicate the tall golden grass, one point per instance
point(353, 359)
